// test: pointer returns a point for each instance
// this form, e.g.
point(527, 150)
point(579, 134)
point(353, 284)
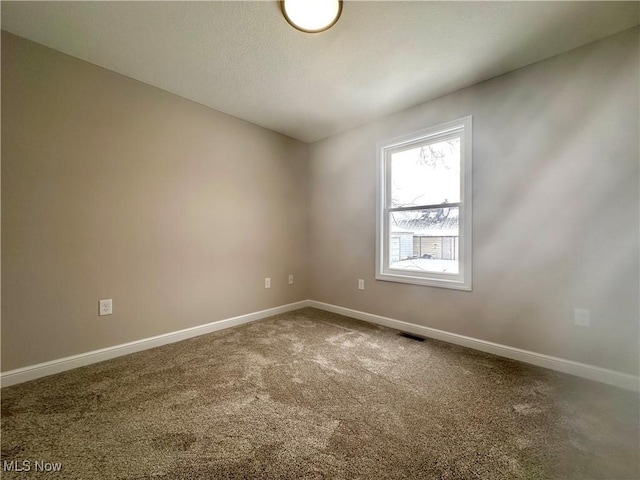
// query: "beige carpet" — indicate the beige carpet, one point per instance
point(309, 394)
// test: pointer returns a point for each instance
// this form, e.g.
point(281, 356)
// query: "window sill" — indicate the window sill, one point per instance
point(455, 284)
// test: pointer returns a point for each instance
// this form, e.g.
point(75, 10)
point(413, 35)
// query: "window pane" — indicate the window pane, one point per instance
point(424, 240)
point(426, 175)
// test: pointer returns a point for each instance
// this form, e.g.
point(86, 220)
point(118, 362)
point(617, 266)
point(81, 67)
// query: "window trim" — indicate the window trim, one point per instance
point(462, 280)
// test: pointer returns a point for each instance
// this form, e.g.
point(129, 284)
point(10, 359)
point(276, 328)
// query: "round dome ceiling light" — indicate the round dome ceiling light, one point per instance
point(311, 16)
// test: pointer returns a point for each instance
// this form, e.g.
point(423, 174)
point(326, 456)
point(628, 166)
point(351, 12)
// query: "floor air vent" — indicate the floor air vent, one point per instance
point(411, 337)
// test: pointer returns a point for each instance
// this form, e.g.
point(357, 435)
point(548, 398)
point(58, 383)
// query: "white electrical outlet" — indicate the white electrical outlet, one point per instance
point(360, 284)
point(106, 307)
point(582, 317)
point(267, 283)
point(290, 279)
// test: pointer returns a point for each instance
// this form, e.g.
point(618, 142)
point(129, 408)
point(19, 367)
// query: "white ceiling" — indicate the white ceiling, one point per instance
point(244, 59)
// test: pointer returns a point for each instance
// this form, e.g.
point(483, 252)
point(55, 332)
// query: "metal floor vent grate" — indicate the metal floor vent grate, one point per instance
point(411, 337)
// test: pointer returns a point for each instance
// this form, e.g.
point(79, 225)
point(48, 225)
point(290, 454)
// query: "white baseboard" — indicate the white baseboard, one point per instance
point(611, 377)
point(32, 372)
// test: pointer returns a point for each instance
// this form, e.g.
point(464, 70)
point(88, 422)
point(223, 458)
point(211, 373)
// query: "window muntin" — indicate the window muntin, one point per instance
point(424, 207)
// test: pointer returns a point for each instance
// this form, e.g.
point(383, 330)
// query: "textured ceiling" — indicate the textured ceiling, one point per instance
point(242, 58)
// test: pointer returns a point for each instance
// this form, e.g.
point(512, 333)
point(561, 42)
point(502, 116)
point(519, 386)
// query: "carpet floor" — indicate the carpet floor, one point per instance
point(310, 394)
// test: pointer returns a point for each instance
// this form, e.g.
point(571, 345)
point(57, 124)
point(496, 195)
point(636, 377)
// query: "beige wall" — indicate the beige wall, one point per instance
point(556, 210)
point(114, 189)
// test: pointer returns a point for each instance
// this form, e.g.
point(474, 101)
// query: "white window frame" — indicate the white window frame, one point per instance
point(461, 280)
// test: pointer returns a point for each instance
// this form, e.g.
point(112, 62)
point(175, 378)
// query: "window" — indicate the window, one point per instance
point(424, 207)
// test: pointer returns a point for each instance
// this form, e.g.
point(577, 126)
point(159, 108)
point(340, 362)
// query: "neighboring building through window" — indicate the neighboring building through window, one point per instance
point(424, 207)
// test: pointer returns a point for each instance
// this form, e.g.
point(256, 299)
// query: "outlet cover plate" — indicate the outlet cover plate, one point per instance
point(106, 307)
point(582, 317)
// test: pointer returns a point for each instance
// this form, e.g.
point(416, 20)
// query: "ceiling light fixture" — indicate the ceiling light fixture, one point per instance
point(311, 16)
